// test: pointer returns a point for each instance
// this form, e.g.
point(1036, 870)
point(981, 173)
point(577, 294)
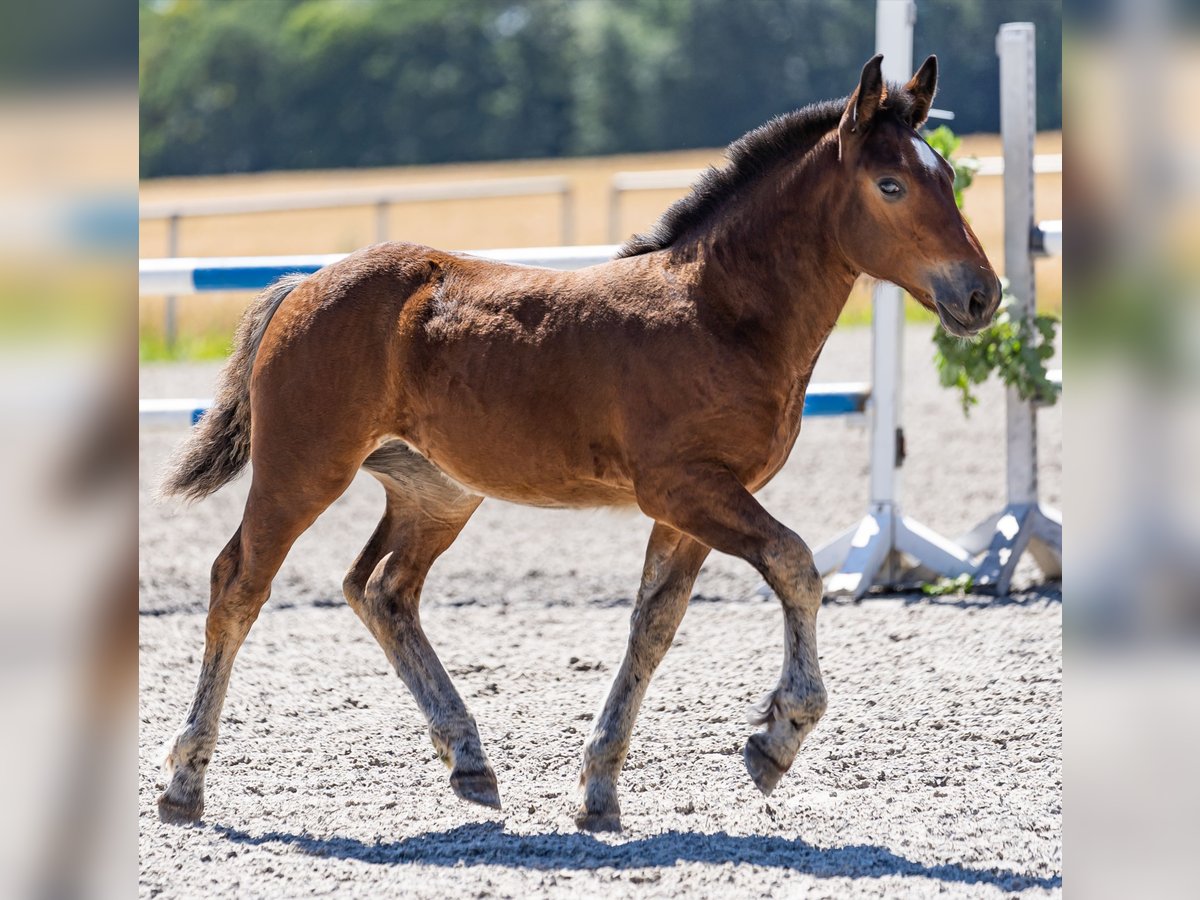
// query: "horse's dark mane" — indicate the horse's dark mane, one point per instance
point(750, 157)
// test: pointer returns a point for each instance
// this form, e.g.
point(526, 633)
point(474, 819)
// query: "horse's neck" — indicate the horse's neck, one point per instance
point(771, 265)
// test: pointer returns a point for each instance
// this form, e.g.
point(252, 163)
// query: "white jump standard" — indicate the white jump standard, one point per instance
point(871, 552)
point(1024, 523)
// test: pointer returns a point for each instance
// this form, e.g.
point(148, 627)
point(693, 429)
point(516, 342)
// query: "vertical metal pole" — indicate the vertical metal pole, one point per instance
point(381, 221)
point(614, 214)
point(568, 216)
point(894, 20)
point(171, 312)
point(1018, 124)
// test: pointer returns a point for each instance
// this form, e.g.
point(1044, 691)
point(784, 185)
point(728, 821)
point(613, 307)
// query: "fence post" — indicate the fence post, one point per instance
point(381, 221)
point(614, 213)
point(171, 311)
point(568, 215)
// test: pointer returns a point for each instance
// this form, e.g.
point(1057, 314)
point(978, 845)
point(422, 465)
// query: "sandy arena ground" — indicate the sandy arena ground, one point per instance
point(936, 771)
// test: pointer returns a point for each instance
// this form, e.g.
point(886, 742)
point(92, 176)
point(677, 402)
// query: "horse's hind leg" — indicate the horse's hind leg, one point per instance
point(672, 561)
point(711, 505)
point(278, 510)
point(425, 513)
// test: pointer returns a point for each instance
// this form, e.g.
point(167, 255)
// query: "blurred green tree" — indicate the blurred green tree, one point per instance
point(284, 84)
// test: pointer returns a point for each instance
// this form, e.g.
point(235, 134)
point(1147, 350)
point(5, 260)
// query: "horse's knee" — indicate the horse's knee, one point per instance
point(793, 573)
point(239, 590)
point(808, 581)
point(226, 567)
point(240, 571)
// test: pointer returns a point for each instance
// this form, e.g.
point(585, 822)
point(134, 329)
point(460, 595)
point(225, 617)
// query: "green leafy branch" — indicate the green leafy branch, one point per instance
point(1014, 347)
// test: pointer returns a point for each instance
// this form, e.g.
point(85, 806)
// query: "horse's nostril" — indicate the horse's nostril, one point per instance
point(977, 305)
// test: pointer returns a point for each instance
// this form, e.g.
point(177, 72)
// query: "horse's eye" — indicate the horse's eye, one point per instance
point(891, 188)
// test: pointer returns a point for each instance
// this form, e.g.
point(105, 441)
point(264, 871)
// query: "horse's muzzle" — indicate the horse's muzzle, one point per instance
point(966, 299)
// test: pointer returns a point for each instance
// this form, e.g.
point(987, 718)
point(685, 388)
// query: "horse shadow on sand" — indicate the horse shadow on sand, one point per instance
point(491, 845)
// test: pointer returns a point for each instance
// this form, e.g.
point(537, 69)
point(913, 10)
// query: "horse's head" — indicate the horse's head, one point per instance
point(898, 220)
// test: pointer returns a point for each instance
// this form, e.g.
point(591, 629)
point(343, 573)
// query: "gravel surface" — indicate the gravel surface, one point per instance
point(936, 770)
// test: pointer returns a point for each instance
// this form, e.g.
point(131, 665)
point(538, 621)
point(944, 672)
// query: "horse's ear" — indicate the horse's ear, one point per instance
point(865, 100)
point(922, 87)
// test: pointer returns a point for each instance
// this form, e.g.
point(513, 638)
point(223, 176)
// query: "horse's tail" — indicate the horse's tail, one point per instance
point(219, 446)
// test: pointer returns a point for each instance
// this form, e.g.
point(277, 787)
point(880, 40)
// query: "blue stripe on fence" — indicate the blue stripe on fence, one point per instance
point(834, 404)
point(244, 278)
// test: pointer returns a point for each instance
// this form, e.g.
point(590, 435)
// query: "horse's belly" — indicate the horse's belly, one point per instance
point(560, 496)
point(531, 475)
point(534, 490)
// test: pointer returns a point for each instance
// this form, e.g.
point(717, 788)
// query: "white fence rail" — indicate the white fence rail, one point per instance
point(197, 275)
point(380, 198)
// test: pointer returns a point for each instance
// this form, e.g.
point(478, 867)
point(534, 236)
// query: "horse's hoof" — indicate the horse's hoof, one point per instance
point(597, 821)
point(764, 771)
point(175, 812)
point(476, 787)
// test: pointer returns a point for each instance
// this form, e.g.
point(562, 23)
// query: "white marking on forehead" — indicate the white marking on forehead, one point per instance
point(927, 155)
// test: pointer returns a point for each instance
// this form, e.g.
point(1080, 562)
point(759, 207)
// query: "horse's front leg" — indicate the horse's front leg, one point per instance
point(672, 561)
point(711, 505)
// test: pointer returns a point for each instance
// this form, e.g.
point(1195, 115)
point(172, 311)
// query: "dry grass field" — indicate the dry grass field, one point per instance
point(207, 321)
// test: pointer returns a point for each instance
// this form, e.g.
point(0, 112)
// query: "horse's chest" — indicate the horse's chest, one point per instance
point(773, 451)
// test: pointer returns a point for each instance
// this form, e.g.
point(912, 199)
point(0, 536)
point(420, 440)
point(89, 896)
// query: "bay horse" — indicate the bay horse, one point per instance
point(671, 378)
